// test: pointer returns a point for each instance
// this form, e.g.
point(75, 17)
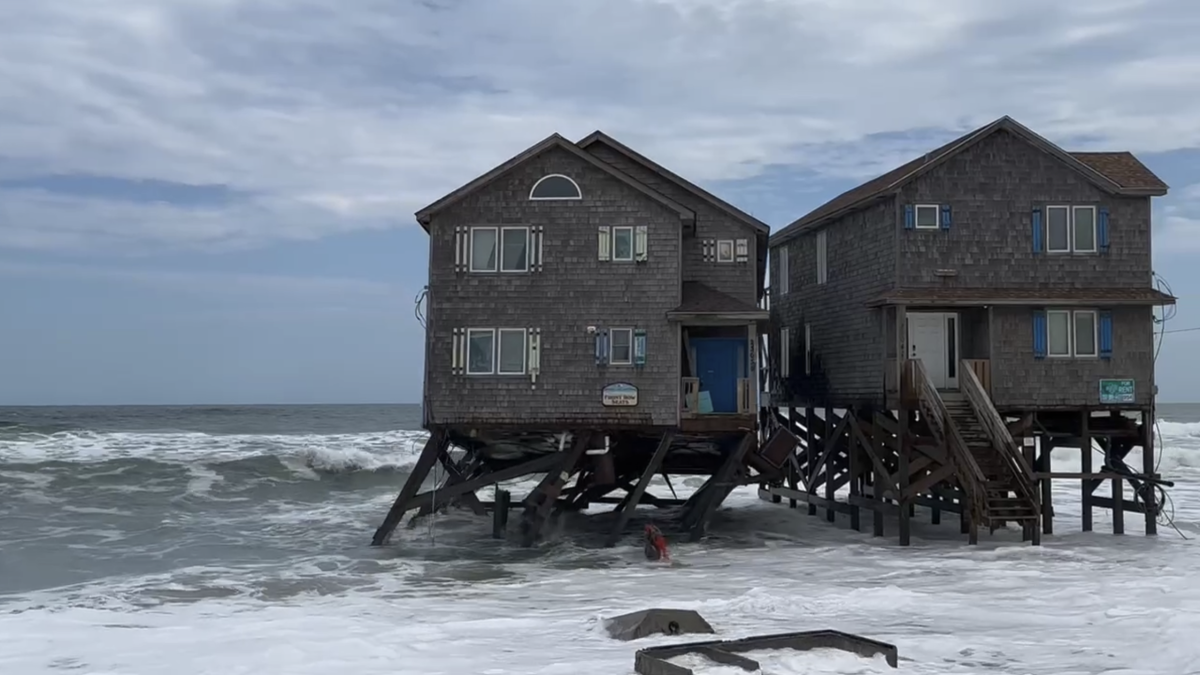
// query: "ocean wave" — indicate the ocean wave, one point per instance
point(321, 453)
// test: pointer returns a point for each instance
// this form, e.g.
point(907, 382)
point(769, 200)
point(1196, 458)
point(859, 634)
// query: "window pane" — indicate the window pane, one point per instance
point(483, 250)
point(1059, 329)
point(620, 346)
point(1085, 334)
point(1085, 229)
point(479, 352)
point(515, 250)
point(1056, 228)
point(927, 216)
point(555, 187)
point(512, 351)
point(622, 243)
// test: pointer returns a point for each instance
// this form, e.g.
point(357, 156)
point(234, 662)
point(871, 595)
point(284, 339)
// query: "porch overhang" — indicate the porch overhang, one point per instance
point(719, 318)
point(1022, 297)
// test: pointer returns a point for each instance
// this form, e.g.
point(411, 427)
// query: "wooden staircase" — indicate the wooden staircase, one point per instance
point(1008, 494)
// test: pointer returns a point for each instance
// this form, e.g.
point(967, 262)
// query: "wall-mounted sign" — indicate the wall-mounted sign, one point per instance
point(619, 395)
point(1116, 391)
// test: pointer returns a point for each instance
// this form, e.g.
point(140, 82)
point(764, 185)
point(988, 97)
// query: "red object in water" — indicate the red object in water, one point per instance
point(656, 544)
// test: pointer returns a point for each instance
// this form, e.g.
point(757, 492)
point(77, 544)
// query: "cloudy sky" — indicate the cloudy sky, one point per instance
point(210, 200)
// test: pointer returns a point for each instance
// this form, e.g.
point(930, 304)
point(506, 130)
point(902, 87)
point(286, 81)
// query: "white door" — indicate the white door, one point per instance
point(927, 342)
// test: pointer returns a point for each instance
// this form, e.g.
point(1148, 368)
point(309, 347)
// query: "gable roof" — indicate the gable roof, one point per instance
point(688, 186)
point(1113, 172)
point(552, 141)
point(762, 231)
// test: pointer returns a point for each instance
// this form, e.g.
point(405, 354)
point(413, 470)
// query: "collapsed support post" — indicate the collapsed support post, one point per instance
point(635, 496)
point(438, 441)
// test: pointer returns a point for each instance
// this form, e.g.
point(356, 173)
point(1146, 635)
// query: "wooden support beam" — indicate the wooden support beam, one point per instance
point(540, 503)
point(834, 442)
point(810, 453)
point(635, 495)
point(722, 484)
point(536, 465)
point(1123, 506)
point(1047, 486)
point(1085, 466)
point(438, 440)
point(1149, 496)
point(455, 474)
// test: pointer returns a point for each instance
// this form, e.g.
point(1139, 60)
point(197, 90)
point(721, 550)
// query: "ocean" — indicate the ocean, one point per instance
point(235, 539)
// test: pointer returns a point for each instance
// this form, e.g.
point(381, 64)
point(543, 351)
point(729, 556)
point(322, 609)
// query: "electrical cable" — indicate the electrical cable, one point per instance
point(1166, 506)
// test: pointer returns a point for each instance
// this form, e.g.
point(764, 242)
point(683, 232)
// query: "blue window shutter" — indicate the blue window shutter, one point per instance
point(601, 348)
point(910, 217)
point(1102, 230)
point(1037, 231)
point(639, 347)
point(1039, 335)
point(1106, 335)
point(945, 216)
point(604, 338)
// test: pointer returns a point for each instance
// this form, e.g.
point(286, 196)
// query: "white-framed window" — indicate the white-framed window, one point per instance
point(483, 249)
point(1086, 330)
point(1083, 229)
point(1058, 333)
point(822, 256)
point(555, 187)
point(725, 251)
point(927, 216)
point(1072, 333)
point(481, 351)
point(1058, 229)
point(785, 352)
point(514, 249)
point(503, 249)
point(622, 244)
point(511, 351)
point(785, 272)
point(620, 346)
point(808, 349)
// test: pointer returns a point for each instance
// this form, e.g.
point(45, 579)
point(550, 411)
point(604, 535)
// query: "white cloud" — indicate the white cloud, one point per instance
point(340, 116)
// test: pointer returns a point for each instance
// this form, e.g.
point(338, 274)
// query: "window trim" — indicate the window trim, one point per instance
point(732, 253)
point(808, 351)
point(500, 248)
point(612, 361)
point(1095, 334)
point(471, 249)
point(822, 245)
point(578, 192)
point(467, 365)
point(524, 350)
point(785, 352)
point(612, 244)
point(1095, 229)
point(937, 216)
point(1070, 229)
point(1070, 334)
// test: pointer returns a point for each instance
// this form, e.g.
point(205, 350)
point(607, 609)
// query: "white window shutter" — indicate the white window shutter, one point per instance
point(535, 349)
point(605, 244)
point(742, 250)
point(455, 353)
point(641, 241)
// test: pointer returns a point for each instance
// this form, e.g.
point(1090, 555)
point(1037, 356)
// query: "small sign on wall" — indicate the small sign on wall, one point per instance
point(1116, 391)
point(619, 395)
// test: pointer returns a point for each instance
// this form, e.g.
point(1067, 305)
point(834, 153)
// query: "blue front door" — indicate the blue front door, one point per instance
point(718, 365)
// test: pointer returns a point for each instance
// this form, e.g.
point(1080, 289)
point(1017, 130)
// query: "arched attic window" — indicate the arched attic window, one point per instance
point(555, 186)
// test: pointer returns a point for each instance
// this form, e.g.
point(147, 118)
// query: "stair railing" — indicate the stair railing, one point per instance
point(998, 433)
point(933, 408)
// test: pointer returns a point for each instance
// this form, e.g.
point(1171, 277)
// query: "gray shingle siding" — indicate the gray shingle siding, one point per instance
point(992, 188)
point(573, 291)
point(1021, 381)
point(847, 336)
point(734, 279)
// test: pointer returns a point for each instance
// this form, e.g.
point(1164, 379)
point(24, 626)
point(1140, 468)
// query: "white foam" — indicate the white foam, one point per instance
point(317, 452)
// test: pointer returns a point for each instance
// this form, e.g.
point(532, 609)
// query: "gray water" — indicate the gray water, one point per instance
point(149, 504)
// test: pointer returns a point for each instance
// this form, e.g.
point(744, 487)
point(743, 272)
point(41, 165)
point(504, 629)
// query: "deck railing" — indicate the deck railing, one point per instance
point(997, 432)
point(933, 409)
point(691, 396)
